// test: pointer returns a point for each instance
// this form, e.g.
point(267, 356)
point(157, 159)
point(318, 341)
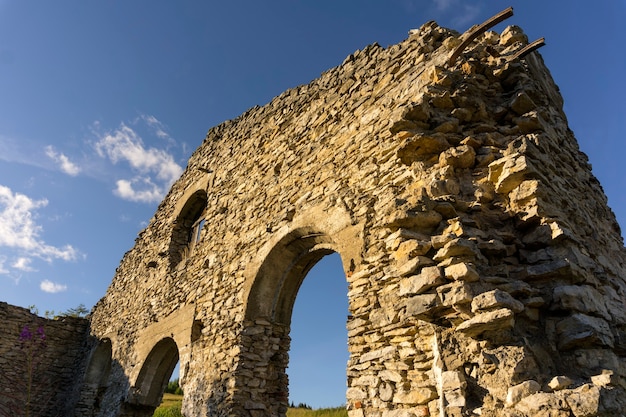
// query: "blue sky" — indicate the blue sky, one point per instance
point(102, 103)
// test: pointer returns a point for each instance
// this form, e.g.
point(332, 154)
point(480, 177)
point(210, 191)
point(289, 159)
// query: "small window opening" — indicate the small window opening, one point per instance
point(196, 231)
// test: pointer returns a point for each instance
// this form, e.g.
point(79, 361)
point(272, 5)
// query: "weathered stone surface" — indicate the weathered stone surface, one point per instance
point(580, 330)
point(501, 319)
point(584, 299)
point(405, 165)
point(496, 299)
point(462, 271)
point(560, 382)
point(519, 391)
point(428, 277)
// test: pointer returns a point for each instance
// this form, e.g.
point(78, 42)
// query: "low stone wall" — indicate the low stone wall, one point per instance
point(51, 352)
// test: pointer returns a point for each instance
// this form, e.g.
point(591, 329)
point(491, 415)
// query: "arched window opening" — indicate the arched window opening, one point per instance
point(96, 378)
point(155, 373)
point(318, 354)
point(188, 228)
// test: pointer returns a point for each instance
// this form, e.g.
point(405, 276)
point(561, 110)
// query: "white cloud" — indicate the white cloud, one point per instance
point(51, 287)
point(461, 12)
point(18, 229)
point(23, 264)
point(139, 189)
point(64, 163)
point(154, 169)
point(156, 125)
point(443, 5)
point(3, 259)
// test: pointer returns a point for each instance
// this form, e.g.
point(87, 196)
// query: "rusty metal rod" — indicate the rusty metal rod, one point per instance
point(482, 28)
point(528, 49)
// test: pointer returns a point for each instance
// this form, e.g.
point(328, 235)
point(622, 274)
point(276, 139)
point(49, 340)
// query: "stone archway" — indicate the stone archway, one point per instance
point(96, 378)
point(147, 391)
point(271, 291)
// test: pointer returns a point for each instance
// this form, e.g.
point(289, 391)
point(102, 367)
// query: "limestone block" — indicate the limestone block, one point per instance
point(460, 157)
point(454, 398)
point(529, 122)
point(543, 404)
point(580, 331)
point(421, 305)
point(421, 220)
point(353, 393)
point(385, 391)
point(417, 396)
point(509, 172)
point(581, 298)
point(584, 400)
point(462, 271)
point(356, 413)
point(366, 380)
point(389, 375)
point(412, 265)
point(560, 382)
point(420, 147)
point(411, 248)
point(522, 103)
point(455, 293)
point(428, 277)
point(451, 380)
point(419, 411)
point(511, 35)
point(418, 111)
point(519, 391)
point(384, 353)
point(606, 378)
point(496, 299)
point(502, 319)
point(456, 247)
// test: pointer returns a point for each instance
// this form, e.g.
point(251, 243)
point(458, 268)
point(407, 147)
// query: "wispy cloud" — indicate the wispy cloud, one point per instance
point(51, 287)
point(460, 12)
point(19, 230)
point(158, 127)
point(443, 5)
point(63, 161)
point(23, 264)
point(153, 170)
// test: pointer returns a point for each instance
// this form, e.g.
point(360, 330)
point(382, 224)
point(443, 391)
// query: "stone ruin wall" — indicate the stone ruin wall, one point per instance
point(59, 365)
point(486, 272)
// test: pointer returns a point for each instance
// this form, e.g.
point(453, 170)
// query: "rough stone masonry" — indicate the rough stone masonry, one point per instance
point(487, 275)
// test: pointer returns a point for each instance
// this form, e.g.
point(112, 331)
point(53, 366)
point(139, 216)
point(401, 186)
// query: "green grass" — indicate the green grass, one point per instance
point(322, 412)
point(170, 407)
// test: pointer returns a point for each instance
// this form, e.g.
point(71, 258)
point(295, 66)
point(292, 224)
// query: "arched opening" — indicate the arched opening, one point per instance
point(188, 227)
point(155, 375)
point(319, 351)
point(96, 378)
point(270, 306)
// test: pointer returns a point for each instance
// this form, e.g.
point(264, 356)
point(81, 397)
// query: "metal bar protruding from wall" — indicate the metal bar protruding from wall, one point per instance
point(528, 49)
point(482, 28)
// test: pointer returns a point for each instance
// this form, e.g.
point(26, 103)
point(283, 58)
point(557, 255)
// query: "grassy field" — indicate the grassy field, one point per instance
point(322, 412)
point(170, 407)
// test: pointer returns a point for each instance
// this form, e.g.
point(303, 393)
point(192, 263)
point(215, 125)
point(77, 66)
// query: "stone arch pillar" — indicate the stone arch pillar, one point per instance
point(271, 290)
point(96, 378)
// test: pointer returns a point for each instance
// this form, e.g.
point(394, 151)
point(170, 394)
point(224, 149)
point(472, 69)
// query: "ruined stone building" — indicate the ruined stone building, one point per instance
point(487, 275)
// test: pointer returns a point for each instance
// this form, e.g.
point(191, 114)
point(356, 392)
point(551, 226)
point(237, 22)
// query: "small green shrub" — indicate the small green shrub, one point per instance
point(168, 411)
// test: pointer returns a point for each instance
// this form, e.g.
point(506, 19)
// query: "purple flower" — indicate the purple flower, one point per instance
point(26, 334)
point(41, 334)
